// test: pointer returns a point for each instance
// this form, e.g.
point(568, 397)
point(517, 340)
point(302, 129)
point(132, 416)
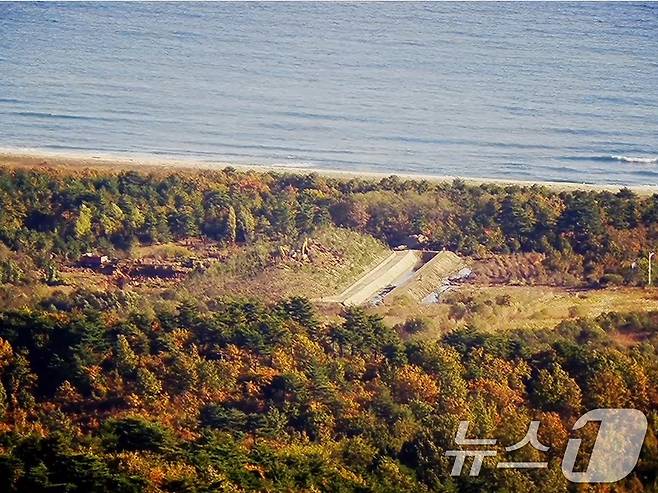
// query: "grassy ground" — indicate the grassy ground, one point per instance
point(163, 251)
point(502, 308)
point(337, 257)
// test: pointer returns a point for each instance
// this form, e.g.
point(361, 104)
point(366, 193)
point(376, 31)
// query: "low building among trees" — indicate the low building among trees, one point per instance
point(93, 261)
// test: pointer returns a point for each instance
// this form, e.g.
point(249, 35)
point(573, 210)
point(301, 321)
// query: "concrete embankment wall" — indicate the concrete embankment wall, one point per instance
point(431, 275)
point(396, 265)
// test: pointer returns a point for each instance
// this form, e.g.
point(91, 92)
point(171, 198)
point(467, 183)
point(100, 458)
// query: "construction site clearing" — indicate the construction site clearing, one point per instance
point(421, 275)
point(164, 265)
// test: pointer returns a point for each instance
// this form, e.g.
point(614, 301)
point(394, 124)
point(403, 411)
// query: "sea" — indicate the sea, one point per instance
point(564, 92)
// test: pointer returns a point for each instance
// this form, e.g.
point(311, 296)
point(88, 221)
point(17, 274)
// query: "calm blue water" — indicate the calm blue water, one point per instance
point(534, 91)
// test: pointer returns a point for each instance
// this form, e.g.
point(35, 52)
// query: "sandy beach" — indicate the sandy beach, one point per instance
point(29, 158)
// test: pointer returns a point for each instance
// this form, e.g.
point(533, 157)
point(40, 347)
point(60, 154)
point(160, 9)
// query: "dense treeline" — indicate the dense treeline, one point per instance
point(114, 391)
point(245, 397)
point(594, 236)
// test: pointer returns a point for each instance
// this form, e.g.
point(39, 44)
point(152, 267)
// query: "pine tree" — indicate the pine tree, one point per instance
point(3, 400)
point(231, 225)
point(245, 225)
point(126, 358)
point(83, 223)
point(148, 384)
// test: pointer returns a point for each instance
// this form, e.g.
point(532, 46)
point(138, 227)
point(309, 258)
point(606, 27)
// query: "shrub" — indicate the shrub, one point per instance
point(413, 325)
point(611, 280)
point(134, 433)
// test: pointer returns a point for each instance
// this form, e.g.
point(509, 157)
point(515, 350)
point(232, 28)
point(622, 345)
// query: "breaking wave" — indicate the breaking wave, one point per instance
point(634, 159)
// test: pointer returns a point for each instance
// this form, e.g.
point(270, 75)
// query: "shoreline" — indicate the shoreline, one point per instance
point(31, 158)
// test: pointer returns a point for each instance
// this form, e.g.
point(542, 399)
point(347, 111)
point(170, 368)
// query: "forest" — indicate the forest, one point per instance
point(596, 235)
point(123, 392)
point(249, 397)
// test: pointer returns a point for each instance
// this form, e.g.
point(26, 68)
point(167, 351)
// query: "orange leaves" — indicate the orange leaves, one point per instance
point(97, 379)
point(497, 393)
point(180, 338)
point(553, 430)
point(6, 353)
point(252, 183)
point(257, 379)
point(282, 360)
point(512, 373)
point(67, 394)
point(499, 382)
point(158, 472)
point(303, 348)
point(412, 383)
point(608, 389)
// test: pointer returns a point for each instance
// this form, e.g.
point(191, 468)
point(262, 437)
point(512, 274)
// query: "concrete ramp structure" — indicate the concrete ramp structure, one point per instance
point(415, 274)
point(396, 267)
point(433, 274)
